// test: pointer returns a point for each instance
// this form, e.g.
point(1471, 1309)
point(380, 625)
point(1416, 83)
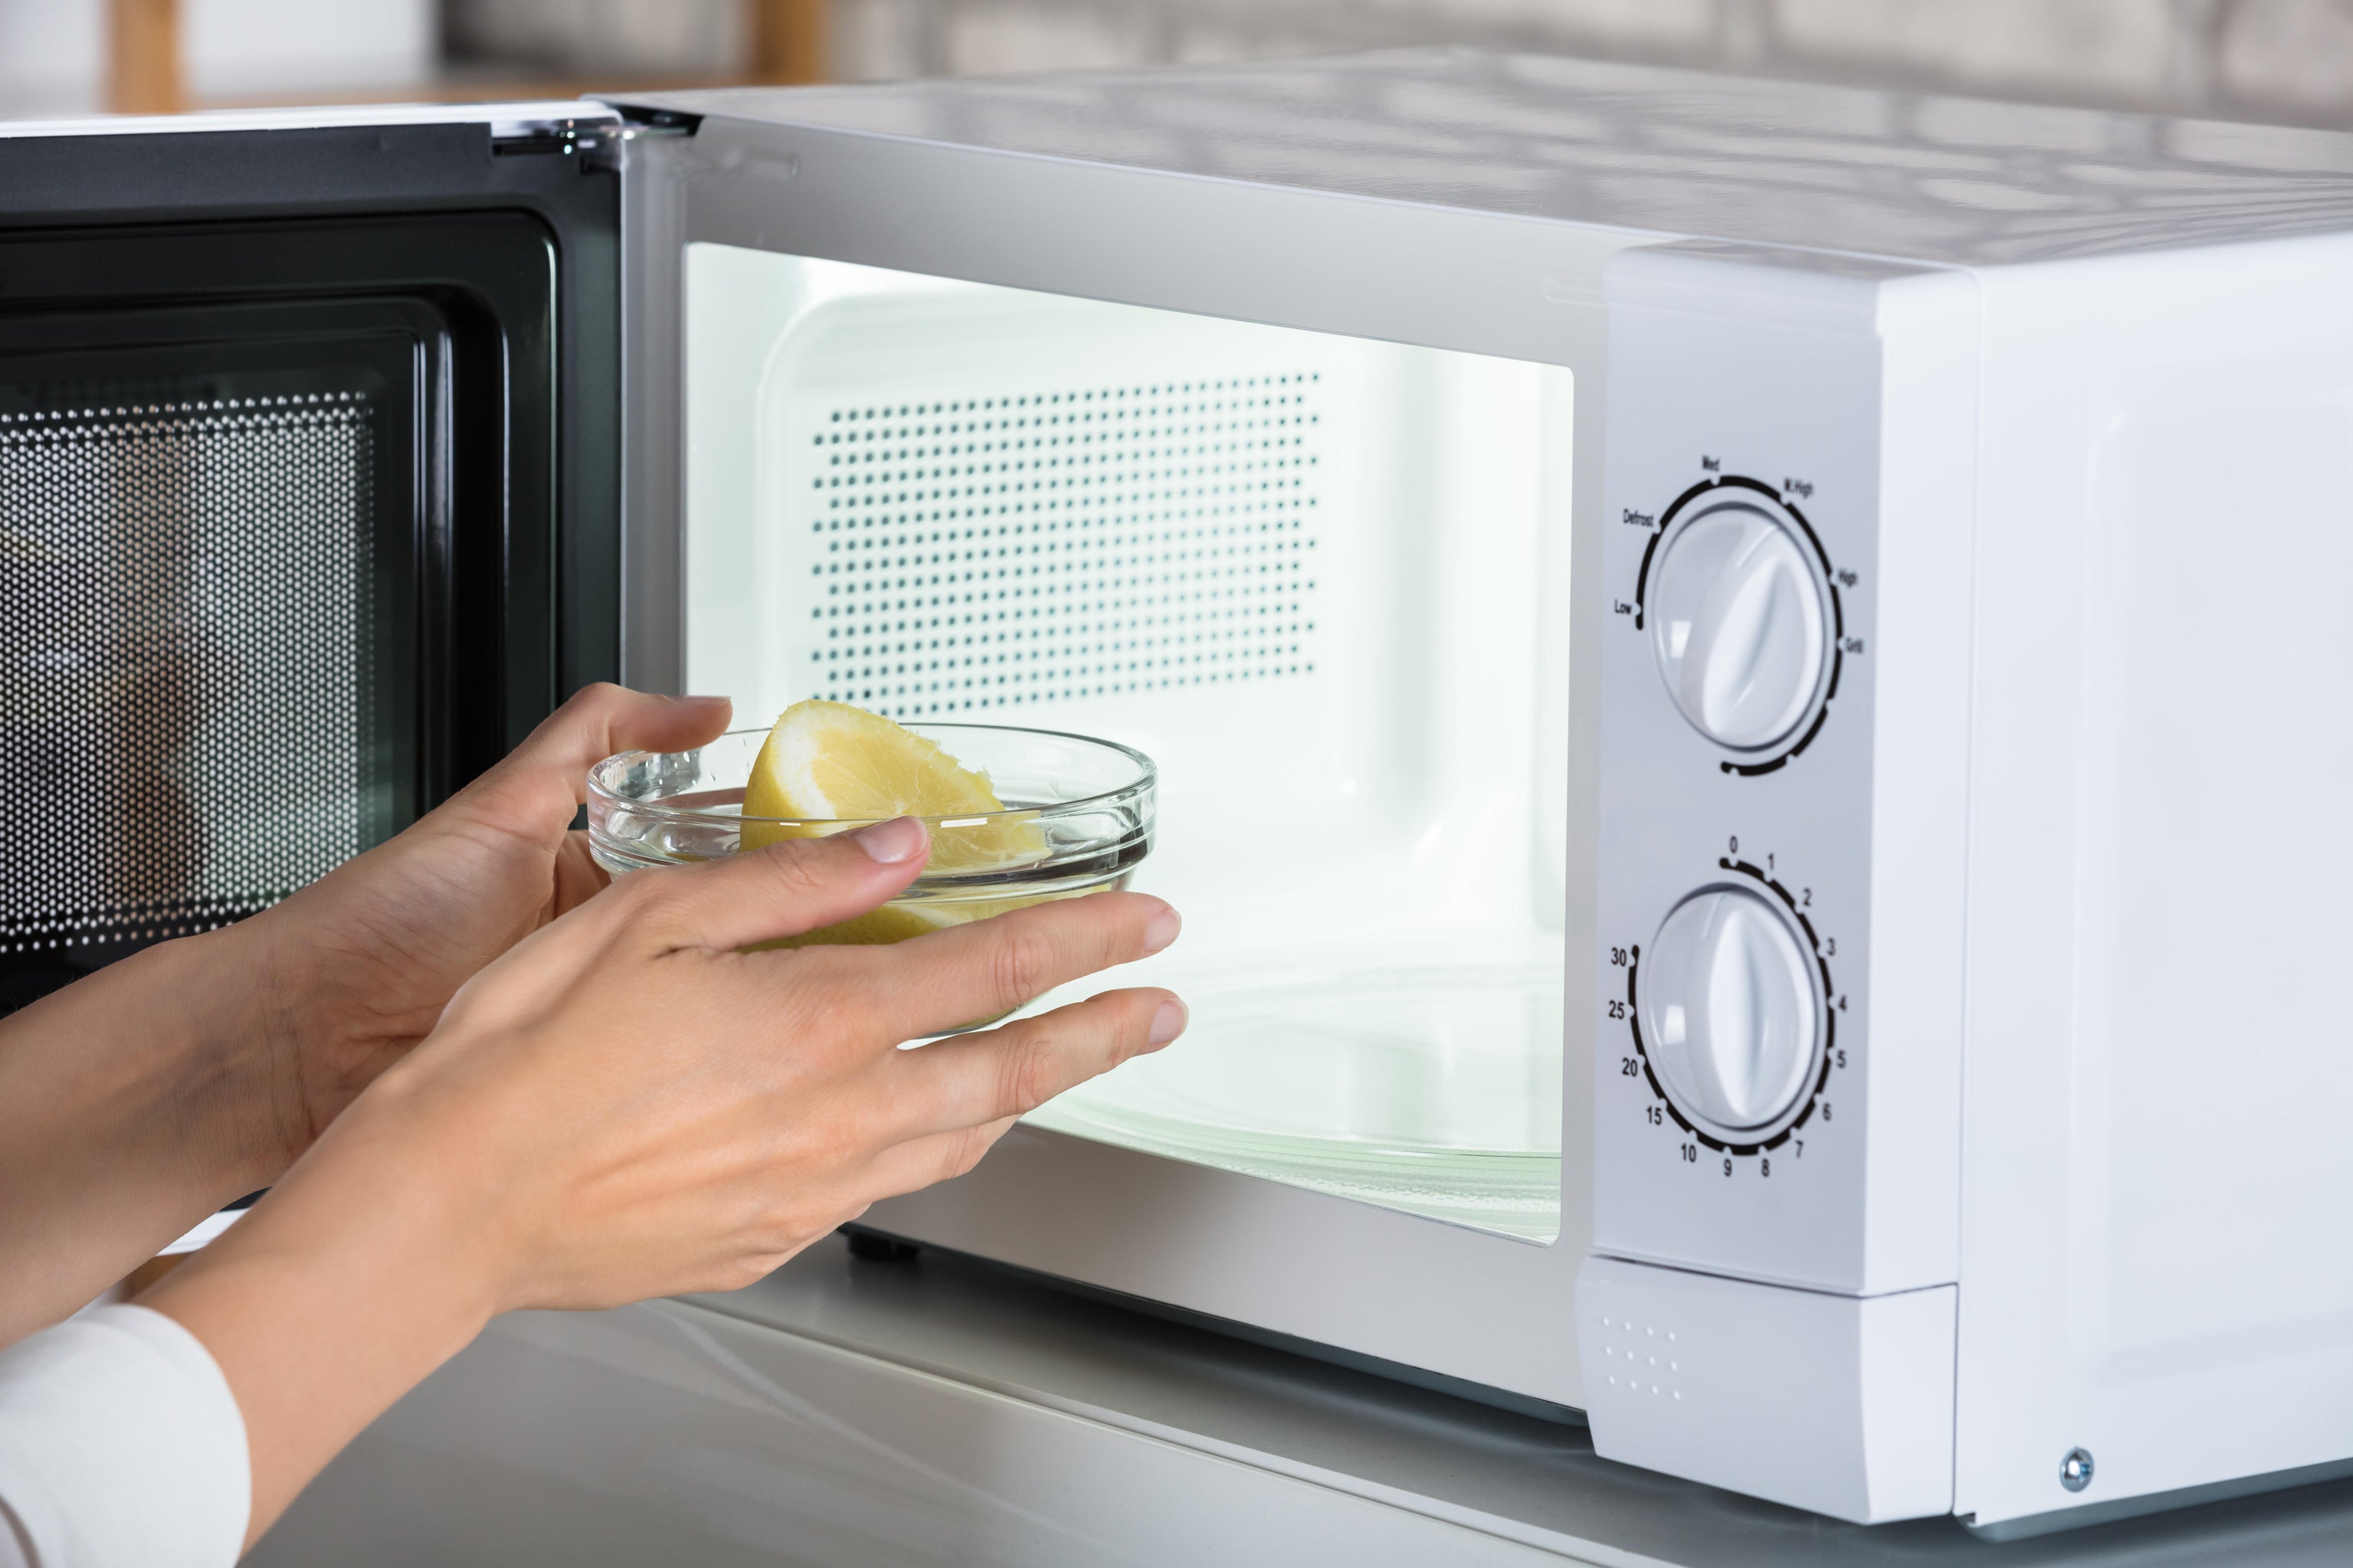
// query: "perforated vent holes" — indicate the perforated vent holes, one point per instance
point(1032, 546)
point(182, 687)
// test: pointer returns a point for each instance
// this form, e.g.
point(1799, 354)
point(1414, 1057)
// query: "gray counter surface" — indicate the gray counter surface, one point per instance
point(939, 1410)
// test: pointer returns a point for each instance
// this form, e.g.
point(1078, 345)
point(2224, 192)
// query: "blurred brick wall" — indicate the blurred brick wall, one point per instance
point(628, 37)
point(2288, 59)
point(53, 52)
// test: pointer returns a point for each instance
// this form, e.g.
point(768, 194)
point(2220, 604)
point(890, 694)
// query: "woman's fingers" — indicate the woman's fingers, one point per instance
point(950, 977)
point(782, 890)
point(603, 719)
point(551, 767)
point(981, 1078)
point(936, 1157)
point(965, 1093)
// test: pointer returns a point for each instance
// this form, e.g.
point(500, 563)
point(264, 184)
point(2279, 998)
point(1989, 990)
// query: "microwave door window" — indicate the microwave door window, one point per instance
point(1318, 579)
point(193, 568)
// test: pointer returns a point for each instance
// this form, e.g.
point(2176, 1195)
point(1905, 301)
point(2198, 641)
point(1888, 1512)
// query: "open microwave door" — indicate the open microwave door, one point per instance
point(307, 492)
point(1274, 485)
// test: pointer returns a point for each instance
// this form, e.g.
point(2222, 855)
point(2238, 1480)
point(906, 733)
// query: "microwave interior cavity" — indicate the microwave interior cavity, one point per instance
point(1322, 580)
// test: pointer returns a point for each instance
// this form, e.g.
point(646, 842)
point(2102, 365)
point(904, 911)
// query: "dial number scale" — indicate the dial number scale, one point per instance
point(1734, 1017)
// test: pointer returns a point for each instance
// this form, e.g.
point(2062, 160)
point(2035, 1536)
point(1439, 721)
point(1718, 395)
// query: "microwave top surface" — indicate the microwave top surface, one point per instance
point(1911, 175)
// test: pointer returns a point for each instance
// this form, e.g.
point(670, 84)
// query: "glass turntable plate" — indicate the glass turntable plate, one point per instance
point(1435, 1090)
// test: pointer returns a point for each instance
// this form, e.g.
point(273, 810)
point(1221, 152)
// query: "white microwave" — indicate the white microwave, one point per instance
point(1740, 673)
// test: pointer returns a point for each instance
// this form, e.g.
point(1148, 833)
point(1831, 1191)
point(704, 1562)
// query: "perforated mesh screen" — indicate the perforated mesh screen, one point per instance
point(1064, 543)
point(183, 685)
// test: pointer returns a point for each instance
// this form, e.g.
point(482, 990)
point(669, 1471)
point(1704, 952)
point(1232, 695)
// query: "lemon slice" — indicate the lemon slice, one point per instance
point(829, 762)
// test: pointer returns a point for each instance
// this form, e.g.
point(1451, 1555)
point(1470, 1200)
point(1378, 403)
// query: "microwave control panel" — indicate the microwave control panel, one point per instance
point(1738, 1111)
point(1730, 1010)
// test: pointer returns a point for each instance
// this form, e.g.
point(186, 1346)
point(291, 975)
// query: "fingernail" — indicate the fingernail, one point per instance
point(1163, 929)
point(901, 838)
point(704, 698)
point(1169, 1022)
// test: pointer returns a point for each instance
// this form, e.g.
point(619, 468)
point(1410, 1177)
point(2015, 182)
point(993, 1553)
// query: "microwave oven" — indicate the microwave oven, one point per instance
point(1740, 672)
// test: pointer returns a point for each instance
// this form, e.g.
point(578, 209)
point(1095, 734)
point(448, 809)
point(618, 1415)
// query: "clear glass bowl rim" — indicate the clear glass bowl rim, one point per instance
point(1148, 776)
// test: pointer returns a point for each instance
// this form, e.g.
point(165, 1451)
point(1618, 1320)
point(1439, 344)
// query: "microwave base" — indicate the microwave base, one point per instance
point(2038, 1525)
point(870, 1246)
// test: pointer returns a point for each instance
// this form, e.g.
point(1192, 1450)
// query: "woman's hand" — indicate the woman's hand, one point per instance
point(138, 1100)
point(626, 1105)
point(638, 1108)
point(354, 970)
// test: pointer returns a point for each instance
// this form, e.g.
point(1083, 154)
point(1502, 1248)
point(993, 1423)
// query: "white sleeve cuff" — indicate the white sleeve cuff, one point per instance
point(120, 1446)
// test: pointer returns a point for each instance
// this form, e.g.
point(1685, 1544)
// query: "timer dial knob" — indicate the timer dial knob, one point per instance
point(1740, 625)
point(1731, 1010)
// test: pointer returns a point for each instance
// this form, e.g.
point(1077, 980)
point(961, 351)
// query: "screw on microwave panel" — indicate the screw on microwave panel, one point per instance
point(2075, 1469)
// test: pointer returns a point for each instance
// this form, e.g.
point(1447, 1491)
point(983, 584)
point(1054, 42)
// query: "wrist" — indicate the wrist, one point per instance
point(384, 1213)
point(407, 1163)
point(206, 1054)
point(131, 1105)
point(308, 1043)
point(362, 1272)
point(248, 1043)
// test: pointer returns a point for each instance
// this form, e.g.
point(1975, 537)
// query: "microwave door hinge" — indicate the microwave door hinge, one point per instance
point(596, 144)
point(637, 121)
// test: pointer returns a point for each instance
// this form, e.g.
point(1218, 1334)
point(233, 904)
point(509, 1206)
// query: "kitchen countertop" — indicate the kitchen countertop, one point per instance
point(938, 1409)
point(971, 1321)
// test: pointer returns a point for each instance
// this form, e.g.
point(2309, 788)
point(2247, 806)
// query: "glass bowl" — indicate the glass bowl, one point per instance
point(1078, 819)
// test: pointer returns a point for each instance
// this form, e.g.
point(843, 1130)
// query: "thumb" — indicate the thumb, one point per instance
point(785, 889)
point(548, 774)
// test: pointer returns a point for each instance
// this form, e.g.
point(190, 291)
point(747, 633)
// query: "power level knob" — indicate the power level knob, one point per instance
point(1730, 1010)
point(1739, 624)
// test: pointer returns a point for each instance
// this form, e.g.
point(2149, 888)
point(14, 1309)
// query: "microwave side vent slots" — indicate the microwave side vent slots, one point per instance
point(1028, 546)
point(182, 687)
